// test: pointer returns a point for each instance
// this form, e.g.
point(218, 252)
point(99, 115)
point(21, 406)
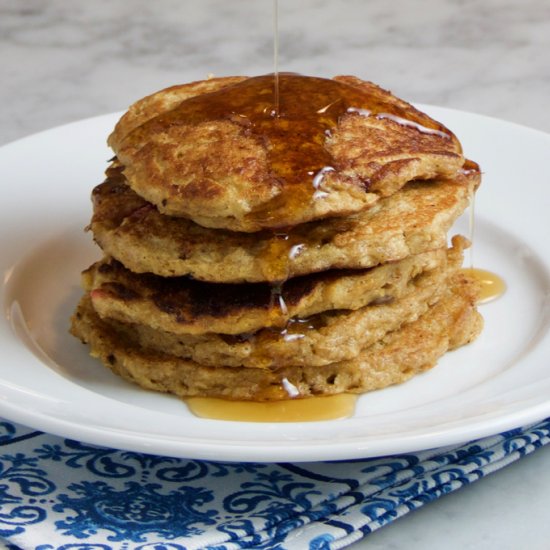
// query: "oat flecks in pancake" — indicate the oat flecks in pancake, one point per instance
point(451, 322)
point(409, 222)
point(214, 153)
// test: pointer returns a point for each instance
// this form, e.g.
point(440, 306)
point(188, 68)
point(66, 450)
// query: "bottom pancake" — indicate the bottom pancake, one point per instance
point(415, 347)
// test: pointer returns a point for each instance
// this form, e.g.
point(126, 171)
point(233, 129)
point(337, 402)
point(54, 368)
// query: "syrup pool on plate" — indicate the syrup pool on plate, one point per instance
point(492, 285)
point(310, 409)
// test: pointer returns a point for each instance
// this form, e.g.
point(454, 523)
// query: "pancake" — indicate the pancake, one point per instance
point(184, 305)
point(410, 222)
point(416, 347)
point(318, 340)
point(223, 154)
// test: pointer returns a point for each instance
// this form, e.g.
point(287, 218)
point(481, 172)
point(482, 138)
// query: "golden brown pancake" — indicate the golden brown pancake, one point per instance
point(317, 340)
point(223, 154)
point(415, 347)
point(410, 222)
point(183, 305)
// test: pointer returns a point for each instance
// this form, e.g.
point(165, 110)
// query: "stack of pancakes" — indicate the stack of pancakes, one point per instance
point(266, 246)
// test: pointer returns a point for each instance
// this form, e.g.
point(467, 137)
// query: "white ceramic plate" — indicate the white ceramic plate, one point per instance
point(48, 381)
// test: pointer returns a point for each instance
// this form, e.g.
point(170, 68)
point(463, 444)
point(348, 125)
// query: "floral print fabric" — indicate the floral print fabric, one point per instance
point(60, 494)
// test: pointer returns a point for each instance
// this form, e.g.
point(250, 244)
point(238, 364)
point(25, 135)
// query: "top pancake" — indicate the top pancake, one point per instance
point(221, 153)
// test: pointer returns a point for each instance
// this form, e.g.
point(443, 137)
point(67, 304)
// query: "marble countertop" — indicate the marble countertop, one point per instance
point(62, 61)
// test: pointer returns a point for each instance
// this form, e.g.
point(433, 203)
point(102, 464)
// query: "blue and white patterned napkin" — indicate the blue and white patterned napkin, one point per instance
point(59, 494)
